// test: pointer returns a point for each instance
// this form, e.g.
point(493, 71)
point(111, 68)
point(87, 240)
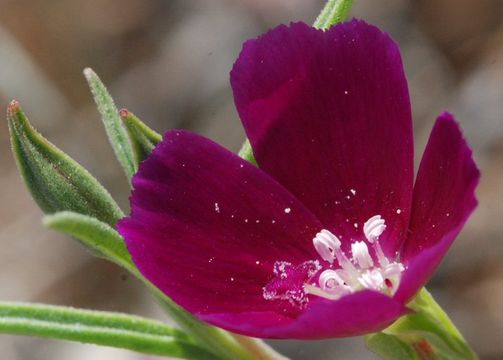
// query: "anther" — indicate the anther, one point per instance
point(325, 244)
point(373, 228)
point(361, 255)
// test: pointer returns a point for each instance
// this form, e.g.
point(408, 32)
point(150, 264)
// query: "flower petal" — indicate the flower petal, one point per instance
point(356, 314)
point(444, 198)
point(207, 227)
point(328, 116)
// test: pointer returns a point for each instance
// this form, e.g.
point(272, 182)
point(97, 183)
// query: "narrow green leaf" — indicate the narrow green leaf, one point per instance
point(390, 347)
point(334, 12)
point(94, 234)
point(144, 139)
point(216, 340)
point(56, 181)
point(100, 328)
point(117, 133)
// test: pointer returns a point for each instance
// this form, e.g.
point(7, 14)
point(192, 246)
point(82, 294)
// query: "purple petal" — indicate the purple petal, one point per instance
point(207, 227)
point(444, 198)
point(360, 313)
point(328, 116)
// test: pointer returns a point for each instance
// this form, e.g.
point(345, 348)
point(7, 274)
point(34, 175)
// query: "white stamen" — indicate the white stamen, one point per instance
point(373, 228)
point(351, 274)
point(398, 211)
point(287, 210)
point(392, 270)
point(325, 244)
point(361, 255)
point(332, 283)
point(217, 208)
point(372, 279)
point(314, 290)
point(353, 191)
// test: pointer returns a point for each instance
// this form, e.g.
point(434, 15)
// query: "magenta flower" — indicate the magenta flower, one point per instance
point(328, 236)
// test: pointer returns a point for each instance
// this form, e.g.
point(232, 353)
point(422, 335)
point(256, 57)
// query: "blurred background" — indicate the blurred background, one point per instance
point(168, 62)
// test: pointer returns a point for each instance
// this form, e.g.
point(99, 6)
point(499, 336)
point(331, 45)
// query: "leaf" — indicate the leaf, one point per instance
point(334, 12)
point(56, 181)
point(390, 347)
point(117, 133)
point(143, 138)
point(94, 234)
point(100, 328)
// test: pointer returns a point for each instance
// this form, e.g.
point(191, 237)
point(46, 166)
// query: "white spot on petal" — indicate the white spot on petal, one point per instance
point(287, 210)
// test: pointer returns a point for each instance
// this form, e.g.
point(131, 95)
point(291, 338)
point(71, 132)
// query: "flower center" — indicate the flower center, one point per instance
point(359, 272)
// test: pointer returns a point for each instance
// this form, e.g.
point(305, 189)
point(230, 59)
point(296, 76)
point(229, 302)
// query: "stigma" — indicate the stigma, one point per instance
point(359, 271)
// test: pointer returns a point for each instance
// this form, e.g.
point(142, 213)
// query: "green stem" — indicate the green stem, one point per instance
point(214, 339)
point(98, 327)
point(259, 349)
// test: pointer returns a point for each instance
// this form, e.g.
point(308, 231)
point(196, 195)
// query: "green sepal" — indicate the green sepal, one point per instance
point(427, 330)
point(56, 181)
point(101, 238)
point(100, 328)
point(115, 129)
point(246, 152)
point(143, 138)
point(390, 347)
point(335, 11)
